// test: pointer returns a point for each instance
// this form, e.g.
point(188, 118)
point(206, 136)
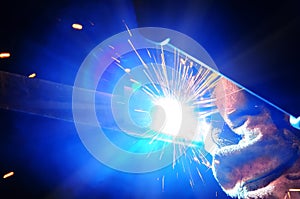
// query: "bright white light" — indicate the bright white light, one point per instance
point(167, 116)
point(295, 122)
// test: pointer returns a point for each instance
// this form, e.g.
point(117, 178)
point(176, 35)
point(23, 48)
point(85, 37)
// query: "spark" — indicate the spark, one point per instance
point(152, 82)
point(116, 59)
point(124, 69)
point(128, 30)
point(216, 161)
point(151, 91)
point(32, 75)
point(148, 93)
point(200, 175)
point(154, 138)
point(204, 101)
point(8, 175)
point(191, 182)
point(134, 81)
point(163, 183)
point(174, 156)
point(92, 23)
point(139, 56)
point(164, 68)
point(182, 61)
point(196, 159)
point(183, 167)
point(4, 55)
point(140, 111)
point(77, 26)
point(162, 152)
point(149, 53)
point(294, 190)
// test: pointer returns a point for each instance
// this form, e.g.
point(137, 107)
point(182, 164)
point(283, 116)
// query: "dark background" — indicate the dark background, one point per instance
point(253, 42)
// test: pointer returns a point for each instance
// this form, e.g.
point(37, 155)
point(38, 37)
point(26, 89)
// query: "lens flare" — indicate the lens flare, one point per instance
point(161, 99)
point(145, 96)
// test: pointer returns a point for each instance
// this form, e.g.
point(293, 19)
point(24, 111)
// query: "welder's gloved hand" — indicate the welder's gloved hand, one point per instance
point(265, 163)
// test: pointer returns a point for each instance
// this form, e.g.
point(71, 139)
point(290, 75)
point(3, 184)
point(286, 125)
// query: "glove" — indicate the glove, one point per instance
point(265, 163)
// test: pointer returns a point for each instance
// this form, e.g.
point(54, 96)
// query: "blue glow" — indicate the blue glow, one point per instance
point(54, 154)
point(140, 106)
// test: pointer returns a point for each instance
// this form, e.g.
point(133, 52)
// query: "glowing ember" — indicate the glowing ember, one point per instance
point(8, 175)
point(4, 55)
point(77, 26)
point(32, 75)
